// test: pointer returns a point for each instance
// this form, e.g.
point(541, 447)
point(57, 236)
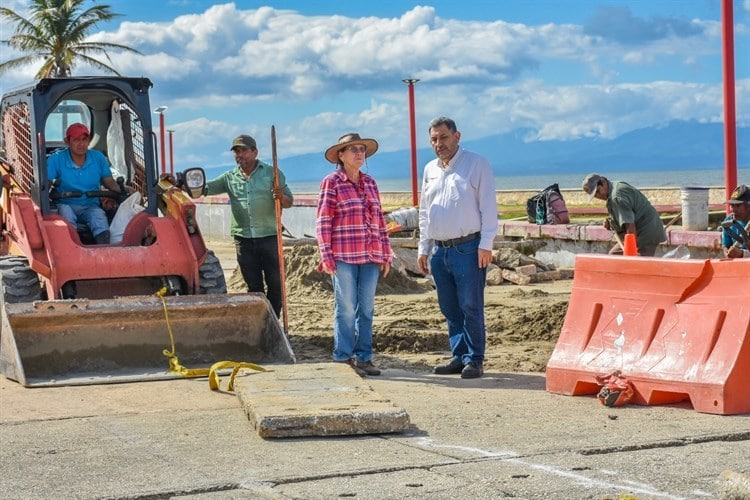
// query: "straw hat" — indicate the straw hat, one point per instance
point(351, 139)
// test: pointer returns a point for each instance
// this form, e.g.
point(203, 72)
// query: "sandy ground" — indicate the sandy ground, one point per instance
point(523, 322)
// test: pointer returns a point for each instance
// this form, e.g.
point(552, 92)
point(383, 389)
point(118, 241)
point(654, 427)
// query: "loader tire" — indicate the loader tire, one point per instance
point(212, 279)
point(17, 281)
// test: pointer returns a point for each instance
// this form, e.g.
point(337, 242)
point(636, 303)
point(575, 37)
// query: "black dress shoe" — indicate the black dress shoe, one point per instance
point(472, 370)
point(455, 366)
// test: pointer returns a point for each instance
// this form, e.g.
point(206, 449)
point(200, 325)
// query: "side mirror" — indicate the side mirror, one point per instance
point(194, 181)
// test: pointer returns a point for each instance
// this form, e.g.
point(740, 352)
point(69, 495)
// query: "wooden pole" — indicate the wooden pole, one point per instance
point(279, 236)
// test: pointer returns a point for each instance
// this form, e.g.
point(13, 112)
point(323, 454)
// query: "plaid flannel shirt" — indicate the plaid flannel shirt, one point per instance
point(350, 224)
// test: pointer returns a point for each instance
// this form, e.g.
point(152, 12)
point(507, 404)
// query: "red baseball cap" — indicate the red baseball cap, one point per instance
point(76, 131)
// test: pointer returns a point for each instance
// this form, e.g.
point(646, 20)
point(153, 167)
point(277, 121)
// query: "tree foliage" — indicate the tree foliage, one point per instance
point(55, 32)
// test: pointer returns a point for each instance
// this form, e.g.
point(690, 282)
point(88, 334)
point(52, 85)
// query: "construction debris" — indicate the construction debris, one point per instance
point(515, 267)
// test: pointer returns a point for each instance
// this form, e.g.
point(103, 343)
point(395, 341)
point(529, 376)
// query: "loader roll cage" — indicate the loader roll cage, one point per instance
point(29, 113)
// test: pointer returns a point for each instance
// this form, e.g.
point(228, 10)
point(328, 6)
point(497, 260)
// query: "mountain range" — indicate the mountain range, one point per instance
point(676, 145)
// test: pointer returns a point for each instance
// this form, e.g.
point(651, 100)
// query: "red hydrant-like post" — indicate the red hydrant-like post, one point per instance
point(412, 126)
point(160, 111)
point(171, 153)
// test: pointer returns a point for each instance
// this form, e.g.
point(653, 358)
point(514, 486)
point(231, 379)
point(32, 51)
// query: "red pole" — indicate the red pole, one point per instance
point(730, 128)
point(161, 137)
point(412, 125)
point(171, 153)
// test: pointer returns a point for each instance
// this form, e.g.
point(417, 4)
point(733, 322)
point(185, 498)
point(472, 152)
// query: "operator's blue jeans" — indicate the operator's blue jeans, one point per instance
point(460, 290)
point(354, 306)
point(91, 215)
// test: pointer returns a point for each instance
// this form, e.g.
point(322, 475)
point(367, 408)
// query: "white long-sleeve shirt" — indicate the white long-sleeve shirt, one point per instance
point(457, 200)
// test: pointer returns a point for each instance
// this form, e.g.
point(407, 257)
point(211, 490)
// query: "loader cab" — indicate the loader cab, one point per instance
point(117, 113)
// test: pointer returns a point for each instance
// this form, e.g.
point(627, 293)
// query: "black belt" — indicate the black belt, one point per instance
point(458, 241)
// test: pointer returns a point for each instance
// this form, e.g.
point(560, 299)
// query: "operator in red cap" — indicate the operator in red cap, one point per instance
point(735, 244)
point(78, 168)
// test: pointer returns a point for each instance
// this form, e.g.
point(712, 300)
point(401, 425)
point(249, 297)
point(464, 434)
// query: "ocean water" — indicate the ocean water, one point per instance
point(640, 179)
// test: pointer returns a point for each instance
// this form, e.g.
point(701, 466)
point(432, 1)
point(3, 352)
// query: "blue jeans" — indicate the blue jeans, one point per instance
point(354, 306)
point(93, 216)
point(460, 290)
point(258, 258)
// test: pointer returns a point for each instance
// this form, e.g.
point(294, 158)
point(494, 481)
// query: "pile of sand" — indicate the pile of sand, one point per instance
point(303, 277)
point(409, 330)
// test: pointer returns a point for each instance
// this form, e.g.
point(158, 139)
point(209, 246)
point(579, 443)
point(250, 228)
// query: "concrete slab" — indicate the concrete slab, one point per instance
point(317, 399)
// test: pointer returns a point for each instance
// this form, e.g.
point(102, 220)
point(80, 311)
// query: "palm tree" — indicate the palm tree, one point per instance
point(56, 32)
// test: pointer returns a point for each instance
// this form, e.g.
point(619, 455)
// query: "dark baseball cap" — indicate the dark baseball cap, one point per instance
point(243, 141)
point(589, 184)
point(741, 194)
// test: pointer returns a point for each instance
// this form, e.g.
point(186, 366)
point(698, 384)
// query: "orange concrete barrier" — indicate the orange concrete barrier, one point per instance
point(677, 329)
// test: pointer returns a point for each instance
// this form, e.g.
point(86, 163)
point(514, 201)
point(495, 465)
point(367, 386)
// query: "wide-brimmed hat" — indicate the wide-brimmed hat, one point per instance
point(740, 195)
point(589, 184)
point(351, 139)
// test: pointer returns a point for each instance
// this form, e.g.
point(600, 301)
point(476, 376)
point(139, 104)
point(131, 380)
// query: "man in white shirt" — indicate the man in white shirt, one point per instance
point(457, 226)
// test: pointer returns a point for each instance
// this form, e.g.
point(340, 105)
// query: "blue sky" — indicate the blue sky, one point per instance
point(559, 69)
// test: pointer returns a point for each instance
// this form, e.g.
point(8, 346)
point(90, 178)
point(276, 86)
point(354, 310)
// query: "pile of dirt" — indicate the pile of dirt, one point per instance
point(410, 332)
point(303, 277)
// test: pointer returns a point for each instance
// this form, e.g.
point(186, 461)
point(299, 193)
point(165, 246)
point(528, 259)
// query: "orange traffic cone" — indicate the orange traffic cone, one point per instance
point(631, 249)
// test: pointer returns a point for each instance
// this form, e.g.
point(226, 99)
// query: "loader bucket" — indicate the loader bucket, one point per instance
point(82, 342)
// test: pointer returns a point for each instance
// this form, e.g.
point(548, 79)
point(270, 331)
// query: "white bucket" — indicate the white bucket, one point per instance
point(694, 208)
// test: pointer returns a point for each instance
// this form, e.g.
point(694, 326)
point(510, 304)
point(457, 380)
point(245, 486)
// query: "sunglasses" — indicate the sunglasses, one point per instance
point(356, 149)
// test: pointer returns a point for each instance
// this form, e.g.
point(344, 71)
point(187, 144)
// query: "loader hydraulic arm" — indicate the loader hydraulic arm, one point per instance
point(174, 203)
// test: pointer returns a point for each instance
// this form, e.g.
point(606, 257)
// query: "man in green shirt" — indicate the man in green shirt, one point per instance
point(630, 212)
point(252, 199)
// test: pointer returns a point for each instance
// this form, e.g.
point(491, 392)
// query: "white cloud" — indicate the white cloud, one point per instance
point(492, 77)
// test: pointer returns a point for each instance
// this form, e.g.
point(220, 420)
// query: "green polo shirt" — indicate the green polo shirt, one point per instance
point(251, 200)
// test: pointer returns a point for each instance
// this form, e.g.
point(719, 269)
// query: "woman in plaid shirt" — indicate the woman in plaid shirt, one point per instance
point(354, 247)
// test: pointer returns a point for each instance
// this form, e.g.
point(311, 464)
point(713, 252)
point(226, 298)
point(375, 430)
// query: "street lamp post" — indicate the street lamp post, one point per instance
point(730, 118)
point(171, 153)
point(410, 82)
point(160, 111)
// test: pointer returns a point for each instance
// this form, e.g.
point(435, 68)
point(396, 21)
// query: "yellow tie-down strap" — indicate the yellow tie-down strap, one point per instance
point(213, 372)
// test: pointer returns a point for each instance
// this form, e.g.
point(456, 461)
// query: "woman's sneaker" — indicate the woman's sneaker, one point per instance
point(359, 371)
point(367, 367)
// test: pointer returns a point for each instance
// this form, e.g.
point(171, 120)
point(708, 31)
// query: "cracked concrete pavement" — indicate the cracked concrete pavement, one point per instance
point(499, 436)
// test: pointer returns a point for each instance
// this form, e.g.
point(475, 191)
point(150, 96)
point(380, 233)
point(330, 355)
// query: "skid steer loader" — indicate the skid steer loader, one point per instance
point(75, 312)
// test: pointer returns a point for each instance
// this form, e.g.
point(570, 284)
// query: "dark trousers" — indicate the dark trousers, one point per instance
point(258, 259)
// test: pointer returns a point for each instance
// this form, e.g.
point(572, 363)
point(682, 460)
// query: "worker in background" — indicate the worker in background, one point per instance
point(739, 205)
point(78, 168)
point(630, 212)
point(457, 226)
point(253, 197)
point(354, 248)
